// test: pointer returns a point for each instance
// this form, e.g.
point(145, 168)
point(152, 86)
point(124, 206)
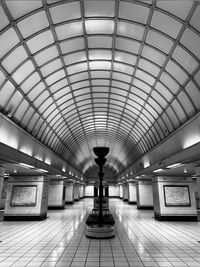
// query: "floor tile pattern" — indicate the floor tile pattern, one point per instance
point(60, 240)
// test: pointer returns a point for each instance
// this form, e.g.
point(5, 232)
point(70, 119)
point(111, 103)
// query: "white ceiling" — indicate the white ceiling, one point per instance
point(80, 74)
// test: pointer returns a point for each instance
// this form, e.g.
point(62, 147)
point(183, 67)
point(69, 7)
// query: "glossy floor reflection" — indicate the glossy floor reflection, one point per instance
point(60, 240)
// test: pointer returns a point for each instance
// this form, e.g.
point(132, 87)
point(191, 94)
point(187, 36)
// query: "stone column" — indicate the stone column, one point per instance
point(125, 192)
point(26, 198)
point(144, 194)
point(174, 198)
point(132, 199)
point(69, 192)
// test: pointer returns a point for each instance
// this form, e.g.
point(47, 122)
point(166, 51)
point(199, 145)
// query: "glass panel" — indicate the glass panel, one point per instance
point(100, 54)
point(154, 104)
point(159, 99)
point(23, 72)
point(77, 68)
point(145, 77)
point(139, 93)
point(120, 85)
point(176, 72)
point(159, 41)
point(125, 57)
point(56, 86)
point(186, 103)
point(97, 9)
point(179, 111)
point(41, 98)
point(46, 55)
point(19, 8)
point(170, 83)
point(51, 67)
point(195, 19)
point(99, 42)
point(100, 65)
point(80, 85)
point(2, 77)
point(194, 93)
point(21, 110)
point(65, 12)
point(75, 58)
point(6, 93)
point(79, 77)
point(99, 26)
point(166, 24)
point(185, 59)
point(143, 86)
point(54, 77)
point(130, 30)
point(149, 67)
point(27, 116)
point(121, 77)
point(153, 55)
point(193, 46)
point(100, 74)
point(69, 30)
point(133, 11)
point(3, 19)
point(32, 123)
point(164, 91)
point(123, 68)
point(40, 41)
point(33, 24)
point(15, 100)
point(30, 82)
point(175, 8)
point(7, 40)
point(127, 45)
point(19, 54)
point(72, 45)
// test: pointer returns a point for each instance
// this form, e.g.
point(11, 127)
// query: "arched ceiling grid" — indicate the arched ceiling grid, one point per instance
point(181, 117)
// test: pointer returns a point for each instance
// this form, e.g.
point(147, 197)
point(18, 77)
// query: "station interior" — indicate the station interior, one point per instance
point(82, 74)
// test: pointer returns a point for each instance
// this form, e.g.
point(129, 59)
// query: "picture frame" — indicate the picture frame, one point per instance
point(23, 195)
point(177, 196)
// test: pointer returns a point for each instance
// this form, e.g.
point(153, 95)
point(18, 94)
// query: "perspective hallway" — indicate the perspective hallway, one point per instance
point(60, 240)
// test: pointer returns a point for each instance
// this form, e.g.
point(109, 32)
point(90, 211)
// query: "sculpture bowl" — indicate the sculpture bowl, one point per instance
point(101, 151)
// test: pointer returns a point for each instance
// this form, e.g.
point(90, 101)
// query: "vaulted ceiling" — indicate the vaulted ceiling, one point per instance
point(81, 74)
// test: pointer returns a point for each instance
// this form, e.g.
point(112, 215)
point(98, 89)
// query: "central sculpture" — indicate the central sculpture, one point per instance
point(100, 224)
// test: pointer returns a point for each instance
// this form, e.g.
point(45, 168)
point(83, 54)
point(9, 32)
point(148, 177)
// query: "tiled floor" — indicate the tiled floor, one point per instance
point(60, 240)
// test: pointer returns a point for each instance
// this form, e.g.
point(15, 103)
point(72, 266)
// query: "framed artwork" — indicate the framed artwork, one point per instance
point(24, 195)
point(177, 196)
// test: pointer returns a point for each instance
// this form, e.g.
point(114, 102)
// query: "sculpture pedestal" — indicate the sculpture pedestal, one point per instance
point(104, 230)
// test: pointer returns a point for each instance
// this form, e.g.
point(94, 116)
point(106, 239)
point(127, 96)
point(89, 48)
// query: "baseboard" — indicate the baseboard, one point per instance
point(188, 218)
point(25, 217)
point(69, 202)
point(125, 200)
point(145, 208)
point(132, 202)
point(56, 207)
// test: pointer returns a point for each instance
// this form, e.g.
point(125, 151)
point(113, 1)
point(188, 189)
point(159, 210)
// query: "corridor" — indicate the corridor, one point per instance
point(60, 240)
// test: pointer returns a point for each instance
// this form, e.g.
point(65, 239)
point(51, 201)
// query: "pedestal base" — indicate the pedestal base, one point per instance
point(100, 231)
point(95, 229)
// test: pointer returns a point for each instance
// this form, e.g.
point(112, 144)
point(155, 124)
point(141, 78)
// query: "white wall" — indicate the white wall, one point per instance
point(113, 191)
point(132, 193)
point(144, 194)
point(125, 191)
point(55, 198)
point(69, 193)
point(89, 191)
point(121, 191)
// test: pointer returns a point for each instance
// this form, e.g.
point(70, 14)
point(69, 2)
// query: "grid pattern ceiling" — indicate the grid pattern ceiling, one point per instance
point(80, 74)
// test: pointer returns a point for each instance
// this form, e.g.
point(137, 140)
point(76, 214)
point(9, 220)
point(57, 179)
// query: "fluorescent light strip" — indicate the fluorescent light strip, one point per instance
point(158, 170)
point(26, 165)
point(174, 165)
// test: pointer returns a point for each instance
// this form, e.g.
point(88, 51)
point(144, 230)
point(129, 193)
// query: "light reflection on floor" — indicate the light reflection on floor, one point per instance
point(60, 240)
